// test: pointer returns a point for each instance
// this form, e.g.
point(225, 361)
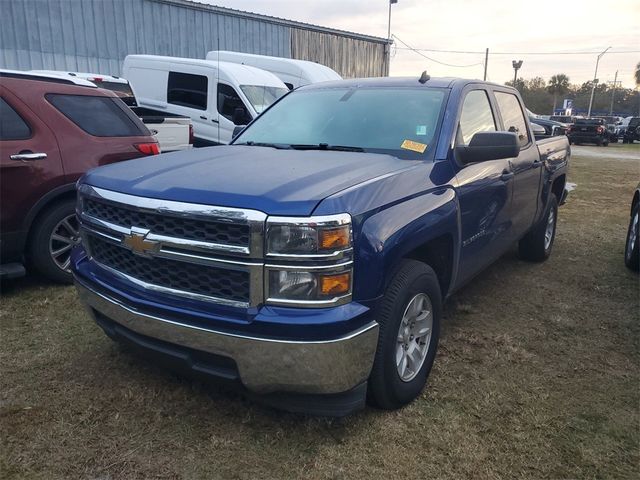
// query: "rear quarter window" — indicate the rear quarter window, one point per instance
point(98, 116)
point(12, 126)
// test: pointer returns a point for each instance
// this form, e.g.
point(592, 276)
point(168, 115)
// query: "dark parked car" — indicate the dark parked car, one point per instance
point(551, 128)
point(53, 130)
point(589, 130)
point(632, 132)
point(631, 255)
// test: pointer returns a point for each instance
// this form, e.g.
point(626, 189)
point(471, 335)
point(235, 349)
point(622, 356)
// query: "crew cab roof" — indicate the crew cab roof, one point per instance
point(433, 82)
point(45, 77)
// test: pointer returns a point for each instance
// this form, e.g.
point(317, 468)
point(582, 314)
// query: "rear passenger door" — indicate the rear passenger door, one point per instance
point(484, 190)
point(526, 167)
point(30, 164)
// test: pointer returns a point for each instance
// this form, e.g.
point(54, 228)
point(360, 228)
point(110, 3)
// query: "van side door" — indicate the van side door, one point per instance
point(189, 92)
point(483, 189)
point(526, 166)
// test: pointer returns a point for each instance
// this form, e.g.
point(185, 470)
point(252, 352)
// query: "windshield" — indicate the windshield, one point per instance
point(400, 121)
point(261, 97)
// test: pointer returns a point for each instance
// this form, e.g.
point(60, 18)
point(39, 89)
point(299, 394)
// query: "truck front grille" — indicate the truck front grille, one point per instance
point(171, 274)
point(169, 225)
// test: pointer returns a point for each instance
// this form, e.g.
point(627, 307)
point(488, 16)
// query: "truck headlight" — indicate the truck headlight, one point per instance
point(313, 236)
point(299, 286)
point(311, 260)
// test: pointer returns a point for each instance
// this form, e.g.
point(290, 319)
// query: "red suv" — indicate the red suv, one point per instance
point(52, 130)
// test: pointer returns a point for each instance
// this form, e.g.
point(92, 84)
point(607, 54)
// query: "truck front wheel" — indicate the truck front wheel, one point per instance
point(409, 317)
point(536, 245)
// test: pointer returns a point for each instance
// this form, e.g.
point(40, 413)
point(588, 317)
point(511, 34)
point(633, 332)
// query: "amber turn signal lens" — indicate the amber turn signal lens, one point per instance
point(335, 238)
point(335, 284)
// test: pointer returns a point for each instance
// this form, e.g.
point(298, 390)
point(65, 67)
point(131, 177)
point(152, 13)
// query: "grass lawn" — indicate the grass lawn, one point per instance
point(537, 376)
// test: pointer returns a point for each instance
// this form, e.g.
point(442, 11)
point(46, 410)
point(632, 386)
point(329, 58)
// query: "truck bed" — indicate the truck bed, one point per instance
point(173, 132)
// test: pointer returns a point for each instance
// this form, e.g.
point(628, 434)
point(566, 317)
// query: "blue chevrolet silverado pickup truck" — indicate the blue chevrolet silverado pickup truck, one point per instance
point(309, 260)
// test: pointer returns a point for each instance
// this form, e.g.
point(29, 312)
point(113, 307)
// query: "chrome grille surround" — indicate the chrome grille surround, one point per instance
point(245, 257)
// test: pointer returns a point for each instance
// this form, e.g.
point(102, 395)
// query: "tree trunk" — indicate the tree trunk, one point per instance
point(555, 102)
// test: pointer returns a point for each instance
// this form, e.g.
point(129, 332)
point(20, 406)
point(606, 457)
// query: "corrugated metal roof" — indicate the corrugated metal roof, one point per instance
point(277, 20)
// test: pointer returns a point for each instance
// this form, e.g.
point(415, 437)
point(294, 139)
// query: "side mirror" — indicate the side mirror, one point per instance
point(237, 130)
point(489, 146)
point(238, 116)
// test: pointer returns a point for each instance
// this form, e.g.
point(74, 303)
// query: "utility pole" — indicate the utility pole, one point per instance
point(595, 81)
point(486, 61)
point(613, 93)
point(391, 2)
point(516, 67)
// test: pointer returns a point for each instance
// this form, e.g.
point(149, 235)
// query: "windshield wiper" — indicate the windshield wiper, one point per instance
point(326, 146)
point(280, 146)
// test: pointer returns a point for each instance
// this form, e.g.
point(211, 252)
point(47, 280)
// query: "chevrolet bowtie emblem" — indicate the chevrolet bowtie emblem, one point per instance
point(138, 243)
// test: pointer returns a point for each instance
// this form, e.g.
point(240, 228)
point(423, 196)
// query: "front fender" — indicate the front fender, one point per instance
point(391, 234)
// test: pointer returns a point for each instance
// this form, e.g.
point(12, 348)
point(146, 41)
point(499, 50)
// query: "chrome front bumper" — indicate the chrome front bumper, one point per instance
point(264, 365)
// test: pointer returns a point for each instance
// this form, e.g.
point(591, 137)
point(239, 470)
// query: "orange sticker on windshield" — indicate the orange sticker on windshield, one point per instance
point(414, 146)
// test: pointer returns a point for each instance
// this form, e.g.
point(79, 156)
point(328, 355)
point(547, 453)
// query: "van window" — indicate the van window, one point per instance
point(261, 96)
point(187, 90)
point(228, 101)
point(98, 116)
point(12, 126)
point(512, 116)
point(476, 116)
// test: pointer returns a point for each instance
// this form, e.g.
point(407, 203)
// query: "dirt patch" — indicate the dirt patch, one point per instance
point(538, 376)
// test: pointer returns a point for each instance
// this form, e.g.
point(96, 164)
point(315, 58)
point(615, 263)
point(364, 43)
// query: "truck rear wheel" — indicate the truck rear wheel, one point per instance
point(632, 247)
point(536, 245)
point(53, 235)
point(409, 317)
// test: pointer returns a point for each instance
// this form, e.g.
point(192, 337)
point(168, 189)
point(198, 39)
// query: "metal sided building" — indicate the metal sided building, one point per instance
point(95, 36)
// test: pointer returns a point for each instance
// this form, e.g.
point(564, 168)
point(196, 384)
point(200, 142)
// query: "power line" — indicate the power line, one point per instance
point(408, 47)
point(478, 52)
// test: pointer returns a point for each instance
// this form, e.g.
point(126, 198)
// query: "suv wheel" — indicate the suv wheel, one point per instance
point(409, 318)
point(536, 245)
point(54, 234)
point(631, 254)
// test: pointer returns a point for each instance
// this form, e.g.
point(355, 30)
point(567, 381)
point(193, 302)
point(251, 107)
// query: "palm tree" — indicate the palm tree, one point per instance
point(558, 85)
point(637, 74)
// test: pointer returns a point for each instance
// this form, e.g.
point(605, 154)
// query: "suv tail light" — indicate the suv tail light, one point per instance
point(190, 134)
point(600, 129)
point(568, 129)
point(148, 148)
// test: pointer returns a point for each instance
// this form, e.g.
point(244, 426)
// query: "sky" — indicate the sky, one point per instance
point(503, 26)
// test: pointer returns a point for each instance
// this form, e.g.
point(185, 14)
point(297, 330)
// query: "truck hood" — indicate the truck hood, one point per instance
point(277, 182)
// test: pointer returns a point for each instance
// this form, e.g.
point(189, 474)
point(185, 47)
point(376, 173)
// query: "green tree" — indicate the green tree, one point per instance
point(637, 74)
point(558, 85)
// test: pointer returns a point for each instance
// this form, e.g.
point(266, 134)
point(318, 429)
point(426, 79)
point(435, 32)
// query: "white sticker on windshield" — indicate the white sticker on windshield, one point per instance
point(421, 129)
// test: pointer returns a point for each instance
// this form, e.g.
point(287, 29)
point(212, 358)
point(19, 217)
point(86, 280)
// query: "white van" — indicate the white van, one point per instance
point(294, 73)
point(216, 95)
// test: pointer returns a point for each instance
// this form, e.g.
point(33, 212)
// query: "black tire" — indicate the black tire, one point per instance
point(533, 246)
point(605, 143)
point(386, 388)
point(41, 231)
point(631, 255)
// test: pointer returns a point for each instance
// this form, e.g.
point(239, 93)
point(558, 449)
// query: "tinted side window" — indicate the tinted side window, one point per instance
point(98, 116)
point(512, 116)
point(12, 126)
point(187, 90)
point(228, 101)
point(476, 116)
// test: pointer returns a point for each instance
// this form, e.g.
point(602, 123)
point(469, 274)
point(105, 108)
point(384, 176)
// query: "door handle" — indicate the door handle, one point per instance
point(536, 164)
point(506, 175)
point(203, 117)
point(28, 156)
point(214, 120)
